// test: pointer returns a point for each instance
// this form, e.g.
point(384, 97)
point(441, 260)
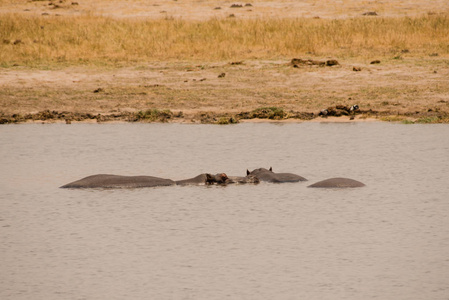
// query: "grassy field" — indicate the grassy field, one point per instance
point(37, 41)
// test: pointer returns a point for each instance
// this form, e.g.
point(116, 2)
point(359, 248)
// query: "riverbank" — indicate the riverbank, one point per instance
point(262, 115)
point(406, 89)
point(272, 60)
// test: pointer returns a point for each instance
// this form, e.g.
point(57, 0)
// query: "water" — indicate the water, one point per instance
point(388, 240)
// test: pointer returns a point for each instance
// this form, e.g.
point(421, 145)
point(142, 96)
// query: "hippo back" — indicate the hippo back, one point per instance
point(118, 181)
point(289, 177)
point(337, 183)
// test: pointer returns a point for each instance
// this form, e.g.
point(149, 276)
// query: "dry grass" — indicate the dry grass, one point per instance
point(51, 40)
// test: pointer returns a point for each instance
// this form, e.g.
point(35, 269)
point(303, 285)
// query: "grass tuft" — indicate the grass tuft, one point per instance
point(152, 115)
point(428, 120)
point(274, 113)
point(226, 121)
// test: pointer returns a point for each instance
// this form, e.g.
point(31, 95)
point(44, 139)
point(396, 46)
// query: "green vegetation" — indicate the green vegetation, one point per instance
point(152, 115)
point(428, 120)
point(421, 120)
point(226, 121)
point(274, 113)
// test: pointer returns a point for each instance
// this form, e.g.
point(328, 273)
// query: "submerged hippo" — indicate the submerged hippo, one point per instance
point(337, 183)
point(270, 176)
point(205, 179)
point(118, 181)
point(241, 180)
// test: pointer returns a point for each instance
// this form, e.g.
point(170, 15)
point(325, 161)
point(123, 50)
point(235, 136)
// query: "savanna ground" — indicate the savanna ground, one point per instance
point(205, 61)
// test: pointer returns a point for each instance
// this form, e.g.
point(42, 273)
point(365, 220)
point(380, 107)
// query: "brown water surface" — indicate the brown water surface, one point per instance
point(388, 240)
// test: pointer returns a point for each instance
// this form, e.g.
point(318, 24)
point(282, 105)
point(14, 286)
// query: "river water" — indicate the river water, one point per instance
point(388, 240)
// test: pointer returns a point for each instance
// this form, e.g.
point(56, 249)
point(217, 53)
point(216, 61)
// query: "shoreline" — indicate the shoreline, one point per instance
point(166, 116)
point(410, 91)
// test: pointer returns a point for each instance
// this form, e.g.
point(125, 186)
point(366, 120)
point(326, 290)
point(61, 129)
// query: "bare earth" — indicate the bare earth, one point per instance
point(204, 9)
point(408, 87)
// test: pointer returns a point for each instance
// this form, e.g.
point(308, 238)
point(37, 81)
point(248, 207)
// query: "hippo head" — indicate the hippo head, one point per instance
point(217, 178)
point(256, 171)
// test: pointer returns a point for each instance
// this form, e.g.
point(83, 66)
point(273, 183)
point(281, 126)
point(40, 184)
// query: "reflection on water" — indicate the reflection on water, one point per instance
point(388, 240)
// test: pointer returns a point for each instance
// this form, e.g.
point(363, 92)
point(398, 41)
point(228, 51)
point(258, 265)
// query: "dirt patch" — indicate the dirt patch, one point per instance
point(410, 87)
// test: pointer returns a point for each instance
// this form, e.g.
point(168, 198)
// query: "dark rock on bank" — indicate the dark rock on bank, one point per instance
point(296, 62)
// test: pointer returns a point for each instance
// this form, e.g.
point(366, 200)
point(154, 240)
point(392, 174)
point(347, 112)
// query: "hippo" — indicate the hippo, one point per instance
point(117, 181)
point(337, 183)
point(270, 176)
point(241, 180)
point(205, 179)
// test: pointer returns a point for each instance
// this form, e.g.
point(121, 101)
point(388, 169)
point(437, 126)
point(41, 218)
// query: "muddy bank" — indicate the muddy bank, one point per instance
point(265, 113)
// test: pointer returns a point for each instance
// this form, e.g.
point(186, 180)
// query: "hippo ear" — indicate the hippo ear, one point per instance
point(209, 178)
point(247, 172)
point(271, 169)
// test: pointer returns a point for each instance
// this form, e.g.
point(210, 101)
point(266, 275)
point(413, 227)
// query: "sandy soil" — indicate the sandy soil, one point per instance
point(403, 88)
point(201, 9)
point(407, 87)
